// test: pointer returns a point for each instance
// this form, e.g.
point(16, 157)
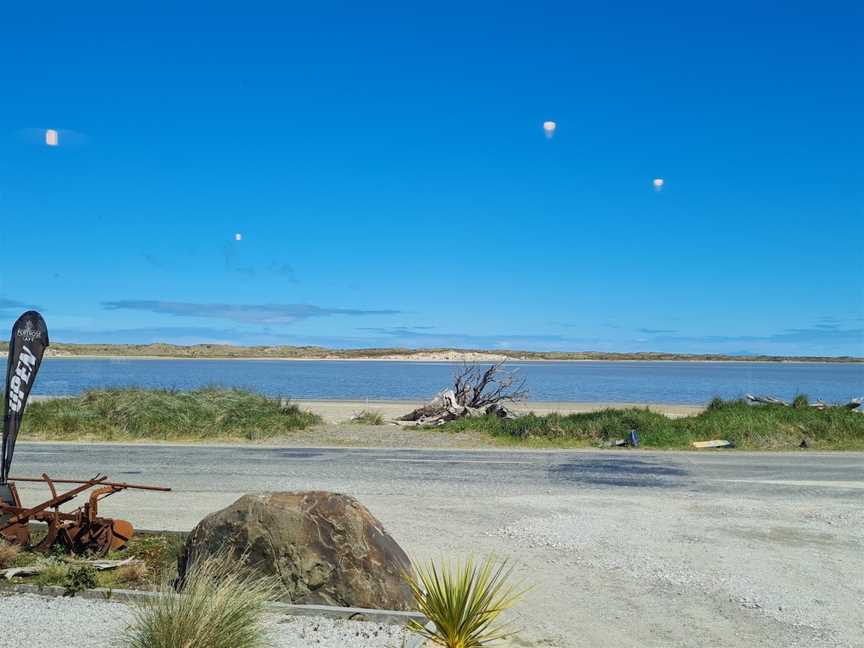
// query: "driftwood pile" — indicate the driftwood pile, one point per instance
point(855, 404)
point(476, 392)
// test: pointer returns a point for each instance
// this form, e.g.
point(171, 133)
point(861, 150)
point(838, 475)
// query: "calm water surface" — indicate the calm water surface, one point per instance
point(645, 382)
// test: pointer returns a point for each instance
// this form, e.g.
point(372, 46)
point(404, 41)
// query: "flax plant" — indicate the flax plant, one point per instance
point(463, 601)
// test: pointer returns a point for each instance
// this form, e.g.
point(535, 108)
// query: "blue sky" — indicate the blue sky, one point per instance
point(389, 176)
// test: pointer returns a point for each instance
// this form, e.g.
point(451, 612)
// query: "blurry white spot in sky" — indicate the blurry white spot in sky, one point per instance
point(549, 128)
point(658, 183)
point(238, 236)
point(41, 136)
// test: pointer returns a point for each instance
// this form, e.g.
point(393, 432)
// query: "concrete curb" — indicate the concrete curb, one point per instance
point(391, 617)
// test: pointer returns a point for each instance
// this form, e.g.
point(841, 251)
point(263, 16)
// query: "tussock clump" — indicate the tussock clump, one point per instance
point(218, 607)
point(801, 401)
point(368, 417)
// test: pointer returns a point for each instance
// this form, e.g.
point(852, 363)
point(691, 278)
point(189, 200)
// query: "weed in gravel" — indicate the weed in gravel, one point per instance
point(78, 579)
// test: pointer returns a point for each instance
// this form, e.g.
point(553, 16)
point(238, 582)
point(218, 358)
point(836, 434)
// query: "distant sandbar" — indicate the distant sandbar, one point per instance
point(227, 352)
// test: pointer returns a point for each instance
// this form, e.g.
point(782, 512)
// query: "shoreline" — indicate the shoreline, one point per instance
point(341, 411)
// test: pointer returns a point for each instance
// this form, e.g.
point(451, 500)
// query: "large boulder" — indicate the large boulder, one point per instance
point(325, 547)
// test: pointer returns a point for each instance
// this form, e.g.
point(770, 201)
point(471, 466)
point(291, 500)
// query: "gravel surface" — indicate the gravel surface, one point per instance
point(80, 623)
point(626, 549)
point(46, 622)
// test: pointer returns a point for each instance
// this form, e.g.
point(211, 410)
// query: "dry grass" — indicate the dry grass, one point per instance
point(8, 554)
point(133, 574)
point(219, 607)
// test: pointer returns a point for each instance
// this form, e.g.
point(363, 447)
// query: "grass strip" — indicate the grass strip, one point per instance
point(763, 427)
point(166, 415)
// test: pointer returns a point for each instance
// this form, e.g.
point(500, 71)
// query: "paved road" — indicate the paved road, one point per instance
point(200, 474)
point(626, 548)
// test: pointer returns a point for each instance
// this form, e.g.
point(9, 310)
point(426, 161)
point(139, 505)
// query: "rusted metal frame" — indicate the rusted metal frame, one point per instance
point(42, 516)
point(82, 481)
point(50, 483)
point(99, 494)
point(56, 517)
point(79, 530)
point(55, 501)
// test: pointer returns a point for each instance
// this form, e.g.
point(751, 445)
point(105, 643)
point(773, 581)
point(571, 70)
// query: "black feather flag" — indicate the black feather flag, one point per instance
point(29, 339)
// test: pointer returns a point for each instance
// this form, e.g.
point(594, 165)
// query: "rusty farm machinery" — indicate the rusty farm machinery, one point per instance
point(81, 530)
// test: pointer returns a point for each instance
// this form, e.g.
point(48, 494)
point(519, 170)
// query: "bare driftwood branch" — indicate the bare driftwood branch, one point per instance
point(476, 391)
point(855, 404)
point(764, 400)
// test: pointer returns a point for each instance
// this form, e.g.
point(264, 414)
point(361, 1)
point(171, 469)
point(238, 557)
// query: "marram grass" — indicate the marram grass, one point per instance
point(163, 414)
point(218, 607)
point(761, 427)
point(463, 601)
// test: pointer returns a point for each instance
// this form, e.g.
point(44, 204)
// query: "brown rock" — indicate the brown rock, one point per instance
point(325, 547)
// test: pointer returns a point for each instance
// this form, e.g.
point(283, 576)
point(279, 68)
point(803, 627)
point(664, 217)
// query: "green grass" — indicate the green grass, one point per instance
point(157, 551)
point(159, 414)
point(764, 427)
point(56, 572)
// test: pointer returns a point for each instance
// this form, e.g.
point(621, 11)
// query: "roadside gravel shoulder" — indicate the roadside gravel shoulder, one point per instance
point(81, 623)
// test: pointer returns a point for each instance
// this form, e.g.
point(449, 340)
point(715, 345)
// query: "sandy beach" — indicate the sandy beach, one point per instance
point(342, 411)
point(337, 431)
point(335, 412)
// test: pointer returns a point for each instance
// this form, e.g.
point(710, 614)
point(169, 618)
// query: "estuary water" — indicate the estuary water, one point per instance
point(634, 382)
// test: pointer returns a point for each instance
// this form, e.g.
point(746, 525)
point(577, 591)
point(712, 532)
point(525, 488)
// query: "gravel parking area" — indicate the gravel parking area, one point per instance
point(80, 623)
point(626, 549)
